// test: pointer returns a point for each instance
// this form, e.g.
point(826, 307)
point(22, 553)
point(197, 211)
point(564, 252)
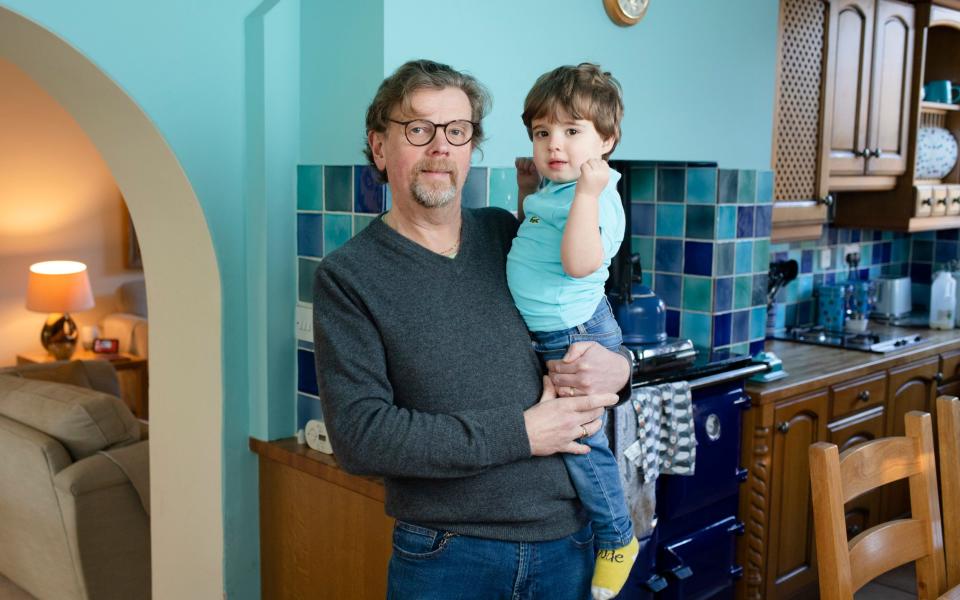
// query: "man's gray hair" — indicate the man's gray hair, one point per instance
point(417, 75)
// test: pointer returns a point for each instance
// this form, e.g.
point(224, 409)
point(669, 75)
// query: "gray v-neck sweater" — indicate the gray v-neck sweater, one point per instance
point(425, 369)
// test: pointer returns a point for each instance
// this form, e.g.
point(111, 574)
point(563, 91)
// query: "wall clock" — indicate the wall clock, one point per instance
point(626, 12)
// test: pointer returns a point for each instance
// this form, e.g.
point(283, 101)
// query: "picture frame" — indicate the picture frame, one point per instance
point(106, 345)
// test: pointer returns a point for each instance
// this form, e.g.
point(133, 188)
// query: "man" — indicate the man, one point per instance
point(428, 377)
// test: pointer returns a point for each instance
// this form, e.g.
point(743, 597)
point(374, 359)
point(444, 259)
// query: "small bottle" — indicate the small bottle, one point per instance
point(943, 301)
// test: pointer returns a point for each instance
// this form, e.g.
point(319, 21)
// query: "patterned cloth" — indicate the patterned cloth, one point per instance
point(653, 434)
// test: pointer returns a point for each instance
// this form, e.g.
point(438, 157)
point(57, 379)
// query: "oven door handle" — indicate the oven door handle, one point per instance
point(741, 373)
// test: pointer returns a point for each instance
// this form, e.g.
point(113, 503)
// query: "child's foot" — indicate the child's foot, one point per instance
point(612, 569)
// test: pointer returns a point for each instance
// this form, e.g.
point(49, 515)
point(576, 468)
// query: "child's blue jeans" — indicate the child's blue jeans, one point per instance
point(595, 475)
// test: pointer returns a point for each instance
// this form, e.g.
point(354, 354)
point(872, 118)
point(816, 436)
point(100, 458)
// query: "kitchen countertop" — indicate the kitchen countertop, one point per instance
point(812, 367)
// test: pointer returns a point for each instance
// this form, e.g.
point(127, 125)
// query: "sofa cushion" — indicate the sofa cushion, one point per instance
point(83, 420)
point(96, 374)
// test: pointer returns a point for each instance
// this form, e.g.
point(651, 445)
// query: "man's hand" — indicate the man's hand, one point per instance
point(528, 179)
point(554, 424)
point(588, 368)
point(594, 175)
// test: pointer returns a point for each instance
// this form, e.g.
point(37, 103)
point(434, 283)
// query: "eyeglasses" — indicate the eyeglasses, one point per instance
point(421, 133)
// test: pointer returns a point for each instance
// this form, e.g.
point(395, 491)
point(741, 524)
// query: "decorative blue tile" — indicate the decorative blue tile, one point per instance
point(920, 273)
point(726, 222)
point(308, 408)
point(697, 293)
point(727, 186)
point(744, 257)
point(791, 315)
point(764, 187)
point(360, 222)
point(306, 373)
point(305, 345)
point(338, 189)
point(721, 329)
point(696, 327)
point(643, 181)
point(762, 220)
point(745, 221)
point(698, 258)
point(337, 229)
point(759, 295)
point(761, 255)
point(740, 330)
point(805, 313)
point(310, 234)
point(670, 183)
point(700, 221)
point(806, 261)
point(306, 269)
point(722, 294)
point(945, 251)
point(725, 263)
point(475, 188)
point(670, 220)
point(667, 287)
point(309, 187)
point(747, 190)
point(642, 218)
point(756, 347)
point(644, 247)
point(948, 234)
point(503, 188)
point(922, 251)
point(701, 186)
point(743, 291)
point(669, 256)
point(885, 249)
point(367, 191)
point(673, 323)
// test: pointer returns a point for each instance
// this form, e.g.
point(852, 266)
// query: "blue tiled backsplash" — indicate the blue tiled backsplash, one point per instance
point(702, 234)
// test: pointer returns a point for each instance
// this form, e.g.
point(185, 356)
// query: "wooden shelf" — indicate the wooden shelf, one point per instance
point(938, 106)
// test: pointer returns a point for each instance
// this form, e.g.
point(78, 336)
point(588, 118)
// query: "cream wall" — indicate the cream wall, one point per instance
point(58, 200)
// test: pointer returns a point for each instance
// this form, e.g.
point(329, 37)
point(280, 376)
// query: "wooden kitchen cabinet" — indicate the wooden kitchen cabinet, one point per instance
point(792, 559)
point(862, 512)
point(869, 59)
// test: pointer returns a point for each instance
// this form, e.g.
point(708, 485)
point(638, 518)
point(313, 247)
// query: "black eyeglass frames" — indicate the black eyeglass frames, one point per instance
point(420, 132)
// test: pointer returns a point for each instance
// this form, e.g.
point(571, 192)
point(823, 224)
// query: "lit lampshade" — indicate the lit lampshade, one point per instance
point(59, 287)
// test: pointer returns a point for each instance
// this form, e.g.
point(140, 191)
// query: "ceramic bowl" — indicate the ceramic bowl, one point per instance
point(936, 152)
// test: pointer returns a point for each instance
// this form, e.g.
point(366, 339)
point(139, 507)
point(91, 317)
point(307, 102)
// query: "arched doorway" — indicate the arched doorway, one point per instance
point(183, 292)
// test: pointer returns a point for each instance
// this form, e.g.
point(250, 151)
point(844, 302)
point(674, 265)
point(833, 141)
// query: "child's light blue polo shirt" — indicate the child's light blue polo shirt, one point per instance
point(548, 298)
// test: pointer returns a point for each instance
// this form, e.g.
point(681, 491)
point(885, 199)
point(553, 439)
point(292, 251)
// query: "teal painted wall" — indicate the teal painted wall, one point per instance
point(185, 64)
point(698, 75)
point(341, 67)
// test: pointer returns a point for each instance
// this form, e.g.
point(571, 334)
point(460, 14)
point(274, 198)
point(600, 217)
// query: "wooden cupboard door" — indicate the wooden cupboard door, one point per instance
point(862, 512)
point(847, 85)
point(890, 88)
point(912, 387)
point(792, 566)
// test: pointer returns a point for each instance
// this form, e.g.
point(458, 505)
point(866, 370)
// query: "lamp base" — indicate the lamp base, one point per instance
point(59, 336)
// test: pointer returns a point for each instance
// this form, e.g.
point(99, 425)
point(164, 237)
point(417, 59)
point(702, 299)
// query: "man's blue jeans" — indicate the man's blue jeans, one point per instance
point(428, 564)
point(595, 475)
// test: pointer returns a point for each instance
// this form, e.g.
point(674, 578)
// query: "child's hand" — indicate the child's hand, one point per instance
point(594, 175)
point(528, 179)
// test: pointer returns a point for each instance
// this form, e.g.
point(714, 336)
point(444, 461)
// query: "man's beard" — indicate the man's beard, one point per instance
point(434, 194)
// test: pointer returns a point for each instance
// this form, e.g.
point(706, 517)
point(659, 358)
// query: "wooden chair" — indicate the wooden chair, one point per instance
point(948, 428)
point(844, 566)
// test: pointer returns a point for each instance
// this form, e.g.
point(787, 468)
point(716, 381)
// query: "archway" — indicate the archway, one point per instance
point(184, 296)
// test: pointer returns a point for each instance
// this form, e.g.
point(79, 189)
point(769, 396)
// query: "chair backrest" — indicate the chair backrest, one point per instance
point(948, 426)
point(844, 567)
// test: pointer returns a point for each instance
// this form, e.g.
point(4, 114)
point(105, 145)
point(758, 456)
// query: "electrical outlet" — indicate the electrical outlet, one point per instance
point(826, 259)
point(304, 323)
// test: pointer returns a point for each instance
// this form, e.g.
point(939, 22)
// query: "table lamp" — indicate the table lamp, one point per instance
point(59, 287)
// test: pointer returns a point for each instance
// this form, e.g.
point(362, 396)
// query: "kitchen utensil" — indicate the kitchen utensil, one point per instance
point(893, 297)
point(641, 314)
point(941, 91)
point(936, 152)
point(780, 273)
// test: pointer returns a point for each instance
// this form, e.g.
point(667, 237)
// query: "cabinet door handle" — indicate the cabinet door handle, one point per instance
point(864, 396)
point(956, 200)
point(875, 153)
point(942, 201)
point(783, 427)
point(926, 202)
point(939, 377)
point(859, 153)
point(826, 200)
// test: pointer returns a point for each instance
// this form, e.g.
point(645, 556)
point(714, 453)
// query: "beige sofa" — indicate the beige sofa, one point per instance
point(74, 484)
point(129, 322)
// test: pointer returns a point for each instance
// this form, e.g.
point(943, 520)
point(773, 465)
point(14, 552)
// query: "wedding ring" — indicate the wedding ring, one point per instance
point(583, 432)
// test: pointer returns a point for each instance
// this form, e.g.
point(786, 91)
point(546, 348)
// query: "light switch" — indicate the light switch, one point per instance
point(826, 259)
point(305, 323)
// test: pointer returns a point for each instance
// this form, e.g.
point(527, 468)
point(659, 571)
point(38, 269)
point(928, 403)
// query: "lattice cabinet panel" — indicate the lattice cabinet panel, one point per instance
point(798, 111)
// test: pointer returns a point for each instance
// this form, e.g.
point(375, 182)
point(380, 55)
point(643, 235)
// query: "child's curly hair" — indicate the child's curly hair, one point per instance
point(584, 92)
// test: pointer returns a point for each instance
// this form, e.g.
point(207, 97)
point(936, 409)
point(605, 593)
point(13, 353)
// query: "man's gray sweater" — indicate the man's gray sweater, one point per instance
point(425, 369)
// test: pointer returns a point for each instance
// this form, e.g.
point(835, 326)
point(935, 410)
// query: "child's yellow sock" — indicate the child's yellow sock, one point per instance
point(612, 569)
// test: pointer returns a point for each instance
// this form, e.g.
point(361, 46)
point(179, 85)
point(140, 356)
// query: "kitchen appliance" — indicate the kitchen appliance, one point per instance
point(893, 298)
point(641, 314)
point(866, 341)
point(691, 553)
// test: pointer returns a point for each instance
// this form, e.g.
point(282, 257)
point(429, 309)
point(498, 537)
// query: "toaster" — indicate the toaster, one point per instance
point(893, 297)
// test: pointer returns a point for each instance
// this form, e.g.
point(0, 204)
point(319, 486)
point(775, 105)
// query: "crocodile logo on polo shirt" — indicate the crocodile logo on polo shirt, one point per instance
point(534, 219)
